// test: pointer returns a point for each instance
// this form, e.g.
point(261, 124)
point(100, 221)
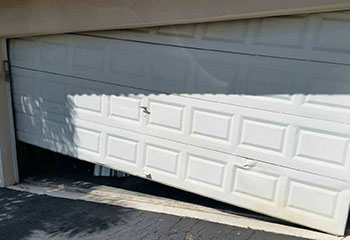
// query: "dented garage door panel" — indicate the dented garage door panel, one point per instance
point(280, 85)
point(312, 145)
point(269, 133)
point(272, 128)
point(307, 199)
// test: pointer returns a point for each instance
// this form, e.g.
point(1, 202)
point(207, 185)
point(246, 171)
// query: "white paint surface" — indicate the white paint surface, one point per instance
point(257, 117)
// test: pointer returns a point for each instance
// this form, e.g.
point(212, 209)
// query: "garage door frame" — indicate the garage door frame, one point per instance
point(8, 157)
point(9, 170)
point(24, 53)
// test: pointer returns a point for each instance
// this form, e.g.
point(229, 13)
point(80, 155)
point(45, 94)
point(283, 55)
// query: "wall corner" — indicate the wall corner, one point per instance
point(8, 156)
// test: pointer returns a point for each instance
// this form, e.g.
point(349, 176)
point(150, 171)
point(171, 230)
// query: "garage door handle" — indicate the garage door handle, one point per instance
point(145, 110)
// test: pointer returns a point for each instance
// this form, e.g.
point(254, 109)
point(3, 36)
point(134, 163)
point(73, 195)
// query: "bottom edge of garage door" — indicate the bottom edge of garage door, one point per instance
point(314, 201)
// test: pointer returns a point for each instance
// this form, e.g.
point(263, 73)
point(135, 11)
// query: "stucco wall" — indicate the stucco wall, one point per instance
point(8, 165)
point(37, 17)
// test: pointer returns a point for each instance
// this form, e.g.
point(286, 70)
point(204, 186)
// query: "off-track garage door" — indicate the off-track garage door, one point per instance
point(255, 112)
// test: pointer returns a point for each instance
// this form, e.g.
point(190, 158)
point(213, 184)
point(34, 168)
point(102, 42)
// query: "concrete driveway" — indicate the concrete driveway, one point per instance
point(29, 216)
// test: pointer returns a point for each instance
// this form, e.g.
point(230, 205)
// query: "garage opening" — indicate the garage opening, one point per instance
point(45, 168)
point(253, 113)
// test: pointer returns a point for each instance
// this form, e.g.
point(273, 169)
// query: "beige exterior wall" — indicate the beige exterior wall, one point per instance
point(8, 164)
point(38, 17)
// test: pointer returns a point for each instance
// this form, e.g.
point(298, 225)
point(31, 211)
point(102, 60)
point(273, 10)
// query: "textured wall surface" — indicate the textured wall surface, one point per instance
point(7, 158)
point(32, 17)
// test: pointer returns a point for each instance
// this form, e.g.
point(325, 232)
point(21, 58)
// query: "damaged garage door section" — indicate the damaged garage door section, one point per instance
point(235, 111)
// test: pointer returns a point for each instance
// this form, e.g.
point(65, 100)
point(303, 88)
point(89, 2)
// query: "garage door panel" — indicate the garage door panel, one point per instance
point(314, 90)
point(166, 113)
point(216, 73)
point(285, 32)
point(128, 65)
point(79, 98)
point(87, 100)
point(27, 123)
point(101, 103)
point(253, 185)
point(211, 124)
point(272, 76)
point(188, 121)
point(329, 90)
point(54, 54)
point(57, 131)
point(165, 161)
point(277, 84)
point(266, 136)
point(322, 147)
point(214, 174)
point(329, 36)
point(263, 135)
point(125, 108)
point(25, 82)
point(316, 36)
point(276, 138)
point(25, 52)
point(253, 113)
point(233, 31)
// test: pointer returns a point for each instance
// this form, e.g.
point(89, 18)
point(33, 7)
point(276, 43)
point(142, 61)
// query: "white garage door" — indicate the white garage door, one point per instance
point(255, 113)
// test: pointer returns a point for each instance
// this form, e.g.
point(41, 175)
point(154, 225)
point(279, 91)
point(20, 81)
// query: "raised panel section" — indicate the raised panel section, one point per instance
point(329, 92)
point(88, 100)
point(321, 146)
point(336, 102)
point(210, 124)
point(162, 159)
point(89, 59)
point(215, 78)
point(255, 184)
point(128, 60)
point(312, 199)
point(23, 50)
point(25, 123)
point(52, 91)
point(264, 81)
point(233, 31)
point(262, 135)
point(205, 171)
point(121, 149)
point(23, 84)
point(58, 131)
point(127, 108)
point(54, 53)
point(169, 71)
point(87, 139)
point(166, 115)
point(331, 34)
point(281, 31)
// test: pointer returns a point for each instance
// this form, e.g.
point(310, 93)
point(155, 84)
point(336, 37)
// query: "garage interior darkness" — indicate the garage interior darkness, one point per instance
point(254, 113)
